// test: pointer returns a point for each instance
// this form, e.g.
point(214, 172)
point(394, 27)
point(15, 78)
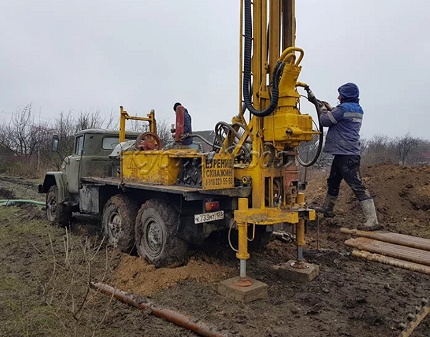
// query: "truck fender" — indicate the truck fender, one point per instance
point(55, 178)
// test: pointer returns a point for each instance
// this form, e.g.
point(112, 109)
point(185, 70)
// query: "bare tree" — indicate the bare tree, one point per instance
point(65, 128)
point(421, 154)
point(24, 143)
point(163, 131)
point(88, 120)
point(377, 150)
point(112, 122)
point(20, 135)
point(404, 146)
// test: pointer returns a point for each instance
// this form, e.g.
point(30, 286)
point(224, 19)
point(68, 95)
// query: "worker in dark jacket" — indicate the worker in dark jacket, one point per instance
point(183, 130)
point(343, 141)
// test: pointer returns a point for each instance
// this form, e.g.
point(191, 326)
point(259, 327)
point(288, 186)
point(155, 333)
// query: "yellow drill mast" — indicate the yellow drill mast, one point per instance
point(275, 127)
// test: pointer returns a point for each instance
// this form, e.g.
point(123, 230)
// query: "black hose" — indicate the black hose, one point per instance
point(229, 130)
point(314, 101)
point(218, 136)
point(277, 71)
point(277, 74)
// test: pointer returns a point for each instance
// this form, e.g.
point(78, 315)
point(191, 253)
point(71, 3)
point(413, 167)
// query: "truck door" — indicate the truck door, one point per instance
point(72, 165)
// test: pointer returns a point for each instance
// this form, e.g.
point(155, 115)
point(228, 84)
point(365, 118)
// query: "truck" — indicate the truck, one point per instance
point(160, 199)
point(172, 207)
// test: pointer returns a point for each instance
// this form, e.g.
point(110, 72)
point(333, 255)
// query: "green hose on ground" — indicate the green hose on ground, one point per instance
point(11, 202)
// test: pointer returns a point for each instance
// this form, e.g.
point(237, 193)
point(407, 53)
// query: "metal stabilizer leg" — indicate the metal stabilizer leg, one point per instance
point(242, 253)
point(241, 287)
point(298, 270)
point(300, 263)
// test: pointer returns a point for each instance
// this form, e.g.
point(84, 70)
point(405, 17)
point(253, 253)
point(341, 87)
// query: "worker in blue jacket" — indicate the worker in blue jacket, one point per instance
point(343, 141)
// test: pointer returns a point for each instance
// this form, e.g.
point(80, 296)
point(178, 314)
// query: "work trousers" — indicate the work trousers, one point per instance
point(347, 167)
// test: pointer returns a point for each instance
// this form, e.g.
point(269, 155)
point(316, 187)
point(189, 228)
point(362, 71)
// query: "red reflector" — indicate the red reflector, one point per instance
point(212, 206)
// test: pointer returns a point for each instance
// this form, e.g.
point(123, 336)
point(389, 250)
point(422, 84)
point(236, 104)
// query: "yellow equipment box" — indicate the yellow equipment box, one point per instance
point(164, 167)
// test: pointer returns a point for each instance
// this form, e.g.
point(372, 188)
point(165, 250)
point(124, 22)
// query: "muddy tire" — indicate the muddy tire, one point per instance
point(57, 213)
point(156, 240)
point(119, 215)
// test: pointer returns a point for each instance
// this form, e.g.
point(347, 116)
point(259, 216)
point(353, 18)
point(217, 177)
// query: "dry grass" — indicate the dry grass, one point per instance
point(44, 284)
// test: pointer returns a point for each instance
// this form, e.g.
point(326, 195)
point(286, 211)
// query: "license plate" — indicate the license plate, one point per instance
point(207, 217)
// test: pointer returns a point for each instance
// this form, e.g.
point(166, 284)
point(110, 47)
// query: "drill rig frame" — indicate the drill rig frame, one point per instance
point(276, 127)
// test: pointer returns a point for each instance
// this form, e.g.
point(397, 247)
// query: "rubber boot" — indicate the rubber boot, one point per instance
point(327, 207)
point(369, 211)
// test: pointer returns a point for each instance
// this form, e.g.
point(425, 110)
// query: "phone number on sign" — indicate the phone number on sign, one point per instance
point(219, 181)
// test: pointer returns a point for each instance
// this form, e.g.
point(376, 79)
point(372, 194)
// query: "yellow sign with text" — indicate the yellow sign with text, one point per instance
point(218, 172)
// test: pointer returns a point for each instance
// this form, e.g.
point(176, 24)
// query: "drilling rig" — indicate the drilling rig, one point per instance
point(270, 67)
point(161, 199)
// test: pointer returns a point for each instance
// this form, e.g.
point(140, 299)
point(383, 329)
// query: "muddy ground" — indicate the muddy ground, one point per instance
point(45, 272)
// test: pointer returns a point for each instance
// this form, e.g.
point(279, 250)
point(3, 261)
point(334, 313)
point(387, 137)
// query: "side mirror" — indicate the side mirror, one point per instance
point(55, 142)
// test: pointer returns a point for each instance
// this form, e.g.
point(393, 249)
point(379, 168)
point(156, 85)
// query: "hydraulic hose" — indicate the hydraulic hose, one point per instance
point(277, 71)
point(314, 101)
point(11, 202)
point(229, 130)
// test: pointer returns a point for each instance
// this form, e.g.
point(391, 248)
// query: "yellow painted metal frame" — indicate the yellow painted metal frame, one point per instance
point(124, 116)
point(155, 167)
point(283, 130)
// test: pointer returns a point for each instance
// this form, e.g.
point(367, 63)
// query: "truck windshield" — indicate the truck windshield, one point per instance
point(109, 143)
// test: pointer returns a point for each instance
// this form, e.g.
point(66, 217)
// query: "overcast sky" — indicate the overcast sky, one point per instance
point(88, 55)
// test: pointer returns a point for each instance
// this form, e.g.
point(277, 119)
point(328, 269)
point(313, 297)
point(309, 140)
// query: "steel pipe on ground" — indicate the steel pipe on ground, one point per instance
point(399, 239)
point(392, 261)
point(169, 315)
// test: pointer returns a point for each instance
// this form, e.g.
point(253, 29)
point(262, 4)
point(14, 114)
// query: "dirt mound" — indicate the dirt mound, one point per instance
point(135, 275)
point(402, 198)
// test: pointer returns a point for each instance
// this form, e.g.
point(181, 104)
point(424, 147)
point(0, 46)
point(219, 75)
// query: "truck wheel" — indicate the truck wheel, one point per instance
point(119, 215)
point(57, 213)
point(156, 240)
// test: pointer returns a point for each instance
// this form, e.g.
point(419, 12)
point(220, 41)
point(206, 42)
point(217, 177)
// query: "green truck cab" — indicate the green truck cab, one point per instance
point(90, 158)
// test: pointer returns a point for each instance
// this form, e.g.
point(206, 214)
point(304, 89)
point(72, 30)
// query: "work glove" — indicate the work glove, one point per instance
point(322, 107)
point(327, 105)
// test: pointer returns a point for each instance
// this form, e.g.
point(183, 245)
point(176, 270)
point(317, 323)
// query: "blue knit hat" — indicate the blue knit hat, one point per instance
point(349, 92)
